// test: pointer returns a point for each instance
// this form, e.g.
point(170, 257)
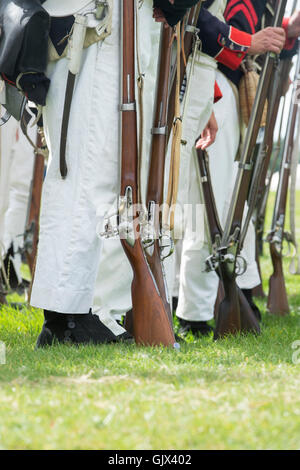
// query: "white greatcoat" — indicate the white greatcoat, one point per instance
point(69, 250)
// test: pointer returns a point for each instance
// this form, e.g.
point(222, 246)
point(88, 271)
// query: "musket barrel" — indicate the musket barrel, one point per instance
point(244, 175)
point(151, 325)
point(280, 203)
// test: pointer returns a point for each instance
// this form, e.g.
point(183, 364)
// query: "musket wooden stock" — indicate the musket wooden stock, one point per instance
point(248, 321)
point(278, 303)
point(31, 234)
point(151, 325)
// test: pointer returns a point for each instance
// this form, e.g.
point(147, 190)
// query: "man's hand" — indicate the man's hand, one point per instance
point(209, 133)
point(294, 25)
point(268, 40)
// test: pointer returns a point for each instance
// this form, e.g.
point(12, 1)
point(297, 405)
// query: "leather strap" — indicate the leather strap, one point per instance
point(169, 206)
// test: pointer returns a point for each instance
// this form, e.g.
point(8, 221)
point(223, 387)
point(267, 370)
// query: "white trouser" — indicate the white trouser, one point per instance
point(198, 289)
point(197, 114)
point(201, 103)
point(17, 160)
point(69, 248)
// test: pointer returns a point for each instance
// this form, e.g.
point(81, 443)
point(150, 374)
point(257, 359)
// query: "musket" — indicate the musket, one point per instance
point(277, 298)
point(155, 240)
point(265, 185)
point(247, 320)
point(261, 180)
point(280, 88)
point(31, 233)
point(151, 325)
point(261, 206)
point(259, 184)
point(228, 320)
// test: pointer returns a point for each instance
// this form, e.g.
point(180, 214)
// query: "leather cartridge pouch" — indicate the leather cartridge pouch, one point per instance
point(247, 92)
point(24, 30)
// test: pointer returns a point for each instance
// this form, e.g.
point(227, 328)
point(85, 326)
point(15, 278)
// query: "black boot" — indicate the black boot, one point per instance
point(75, 329)
point(19, 287)
point(248, 294)
point(198, 328)
point(174, 303)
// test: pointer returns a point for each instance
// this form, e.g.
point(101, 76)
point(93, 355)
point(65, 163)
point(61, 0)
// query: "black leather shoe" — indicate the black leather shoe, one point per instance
point(75, 329)
point(248, 294)
point(125, 337)
point(198, 328)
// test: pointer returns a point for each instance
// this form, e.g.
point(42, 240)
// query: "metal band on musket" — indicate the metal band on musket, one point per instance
point(128, 107)
point(159, 130)
point(246, 166)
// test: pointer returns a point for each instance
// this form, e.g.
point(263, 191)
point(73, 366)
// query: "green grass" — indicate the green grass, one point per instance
point(239, 393)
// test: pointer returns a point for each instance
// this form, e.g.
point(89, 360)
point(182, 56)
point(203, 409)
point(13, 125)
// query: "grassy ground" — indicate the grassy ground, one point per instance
point(239, 393)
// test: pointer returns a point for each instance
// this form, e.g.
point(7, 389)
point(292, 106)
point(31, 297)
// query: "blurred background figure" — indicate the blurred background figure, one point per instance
point(16, 166)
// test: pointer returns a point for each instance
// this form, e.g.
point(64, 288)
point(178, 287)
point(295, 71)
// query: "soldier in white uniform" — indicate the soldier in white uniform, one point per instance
point(113, 297)
point(197, 289)
point(69, 249)
point(17, 158)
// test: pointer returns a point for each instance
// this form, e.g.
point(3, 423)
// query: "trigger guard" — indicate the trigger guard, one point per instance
point(241, 266)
